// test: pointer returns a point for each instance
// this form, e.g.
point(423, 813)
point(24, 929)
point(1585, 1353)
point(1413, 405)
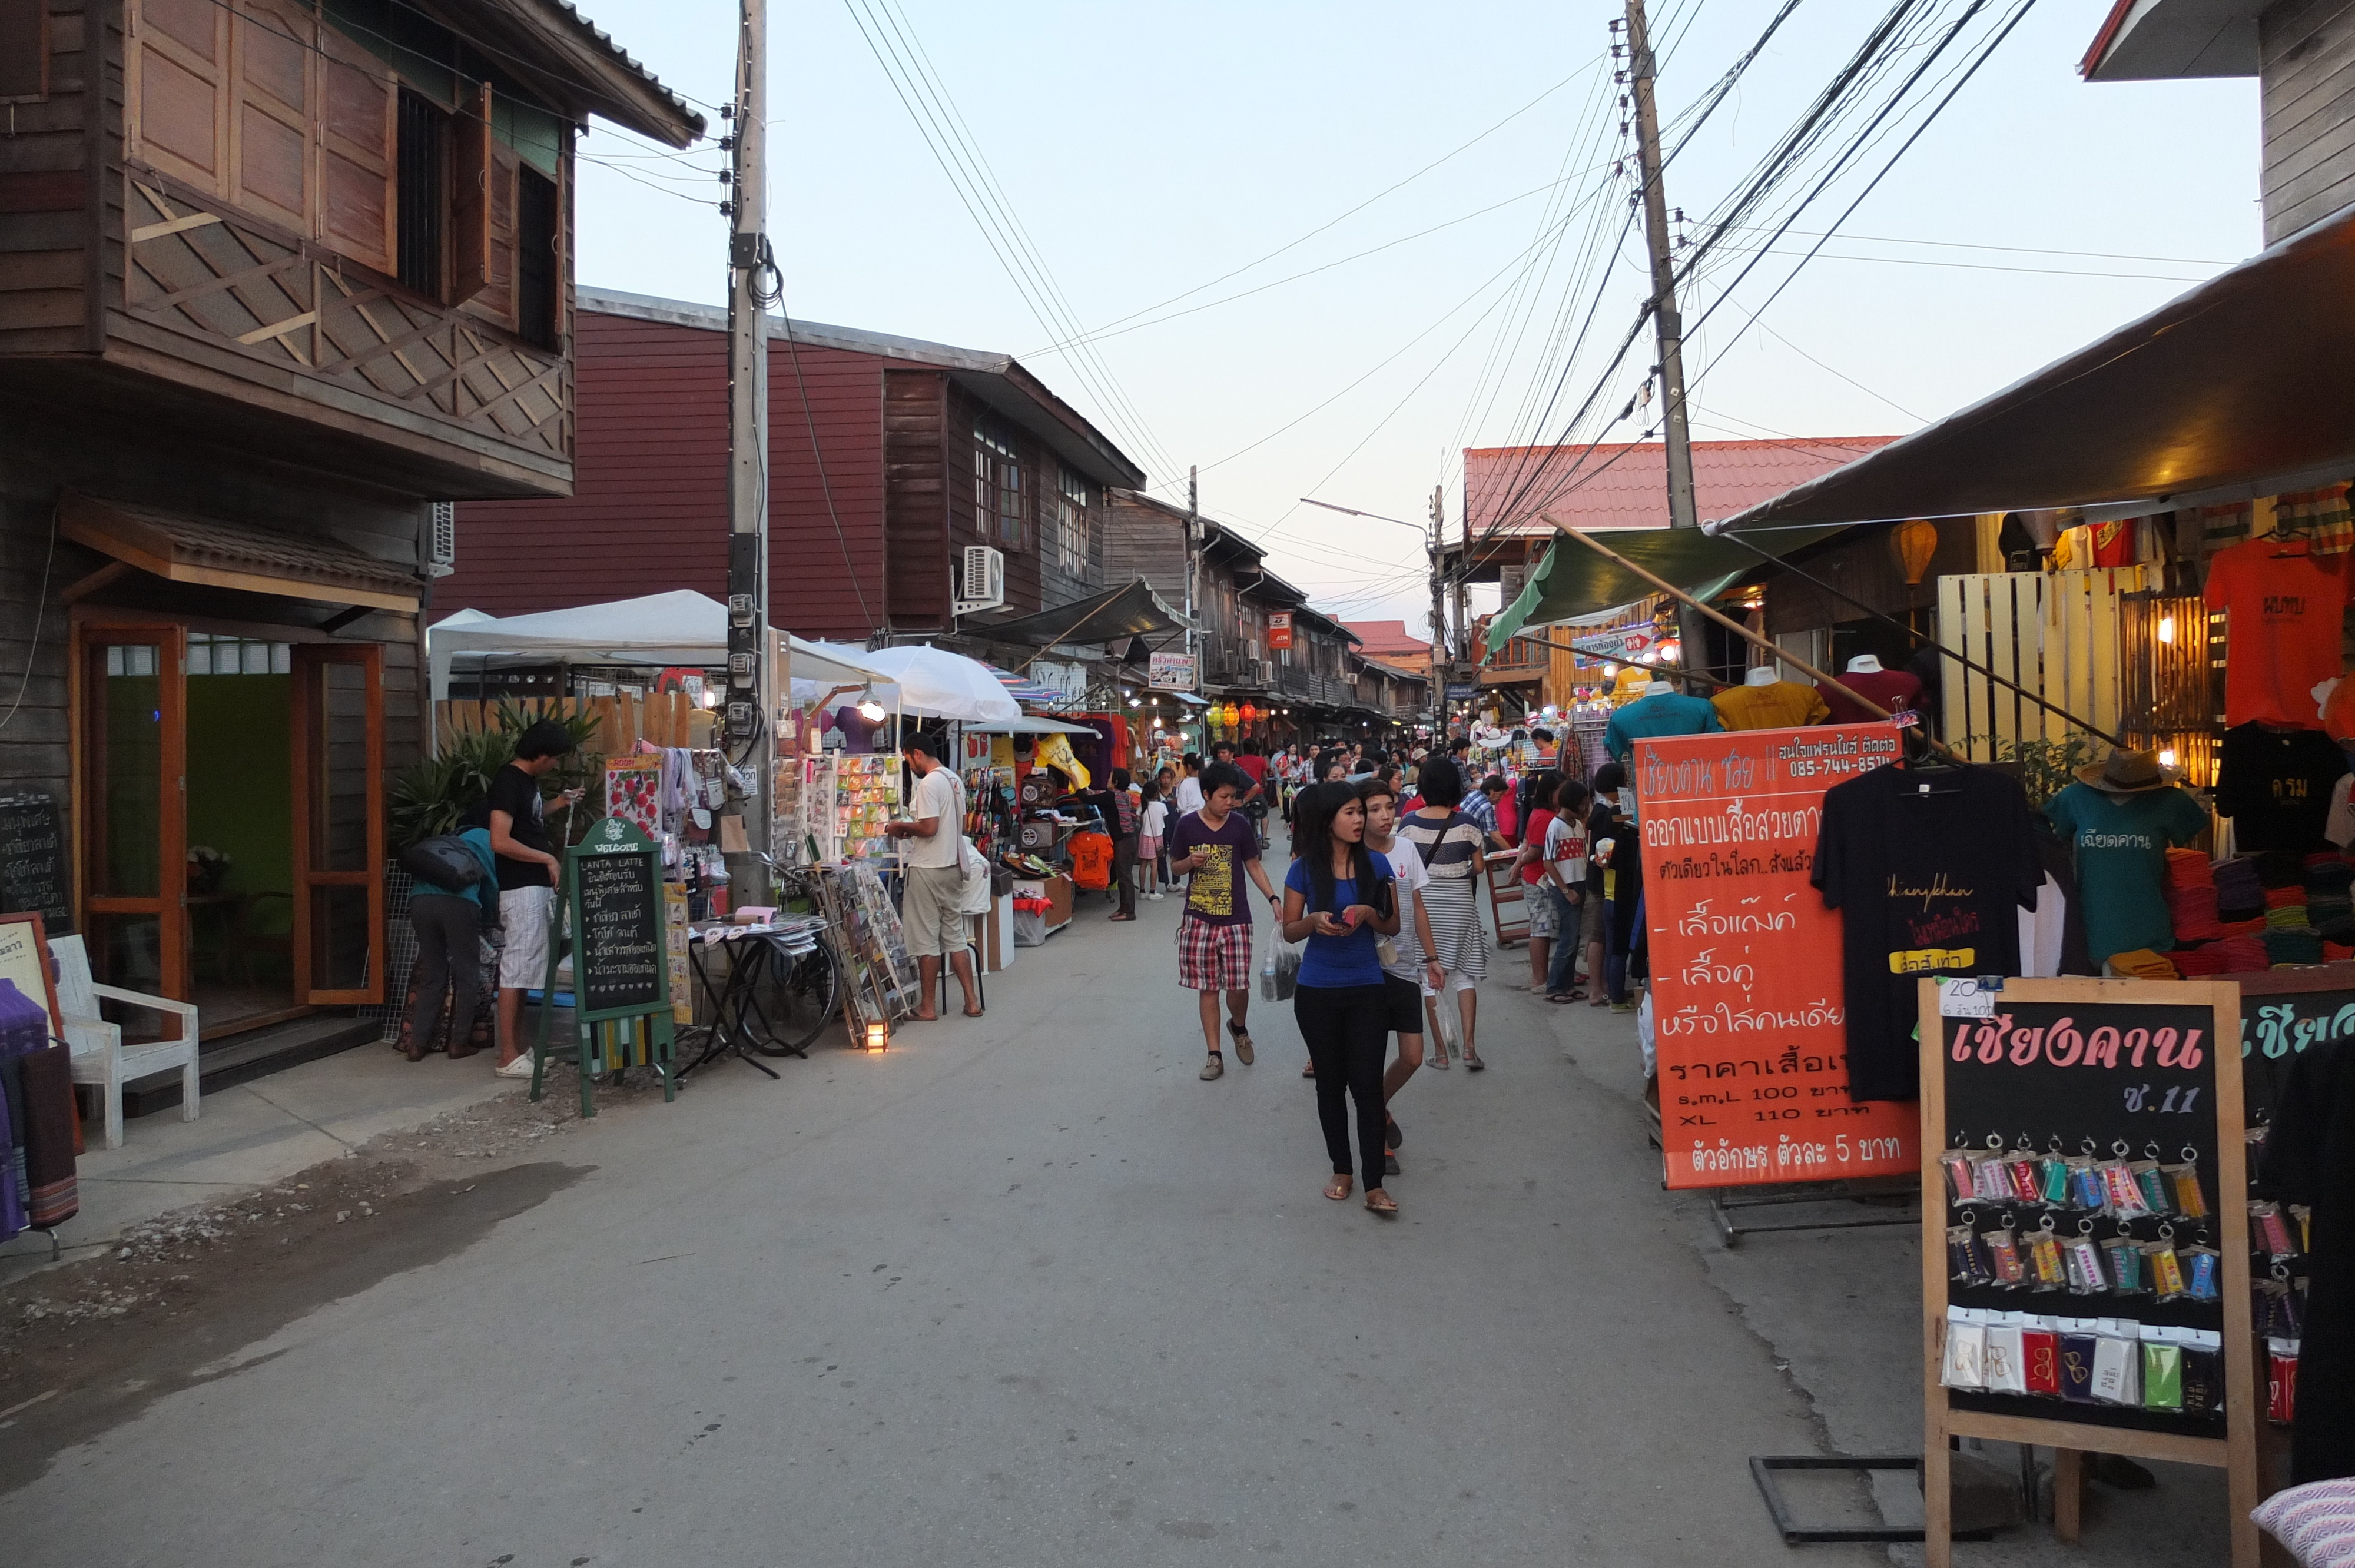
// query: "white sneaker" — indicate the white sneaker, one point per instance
point(518, 1068)
point(1156, 897)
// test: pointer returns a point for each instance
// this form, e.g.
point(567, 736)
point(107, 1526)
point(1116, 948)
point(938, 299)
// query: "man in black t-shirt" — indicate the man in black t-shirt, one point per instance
point(527, 867)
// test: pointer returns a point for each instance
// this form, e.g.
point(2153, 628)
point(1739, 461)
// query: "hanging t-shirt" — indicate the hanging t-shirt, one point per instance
point(2276, 786)
point(1215, 894)
point(1662, 712)
point(1893, 689)
point(1352, 958)
point(2283, 605)
point(2121, 842)
point(1785, 705)
point(1927, 870)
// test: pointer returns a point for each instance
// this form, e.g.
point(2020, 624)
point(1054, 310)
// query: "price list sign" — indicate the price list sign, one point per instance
point(1748, 997)
point(2085, 1212)
point(612, 905)
point(622, 957)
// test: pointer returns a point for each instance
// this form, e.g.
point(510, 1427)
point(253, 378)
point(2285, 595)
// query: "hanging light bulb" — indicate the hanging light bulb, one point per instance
point(872, 711)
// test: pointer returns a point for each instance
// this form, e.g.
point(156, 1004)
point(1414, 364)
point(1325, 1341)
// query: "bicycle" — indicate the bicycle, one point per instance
point(799, 974)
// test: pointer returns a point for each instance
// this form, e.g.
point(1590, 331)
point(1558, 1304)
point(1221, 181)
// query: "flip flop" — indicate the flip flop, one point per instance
point(1338, 1189)
point(1382, 1203)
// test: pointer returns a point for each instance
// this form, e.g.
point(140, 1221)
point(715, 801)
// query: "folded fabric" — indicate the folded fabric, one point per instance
point(2241, 925)
point(2324, 907)
point(2341, 929)
point(2292, 918)
point(2191, 911)
point(2198, 961)
point(2281, 868)
point(2141, 963)
point(2281, 897)
point(2241, 955)
point(2337, 952)
point(2293, 948)
point(2189, 868)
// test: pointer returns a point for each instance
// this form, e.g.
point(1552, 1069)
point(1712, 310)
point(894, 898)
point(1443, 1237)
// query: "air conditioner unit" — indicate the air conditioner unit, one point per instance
point(441, 552)
point(982, 584)
point(1267, 673)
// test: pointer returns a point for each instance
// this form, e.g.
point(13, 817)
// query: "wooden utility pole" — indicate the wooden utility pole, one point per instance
point(751, 735)
point(1443, 661)
point(1667, 321)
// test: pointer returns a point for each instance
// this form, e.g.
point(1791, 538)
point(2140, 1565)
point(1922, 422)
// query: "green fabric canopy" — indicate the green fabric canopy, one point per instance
point(1572, 581)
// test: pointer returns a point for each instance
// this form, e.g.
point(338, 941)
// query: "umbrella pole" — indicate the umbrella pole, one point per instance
point(1682, 598)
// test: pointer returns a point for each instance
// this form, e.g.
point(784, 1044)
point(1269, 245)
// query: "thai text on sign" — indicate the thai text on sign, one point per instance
point(1748, 1000)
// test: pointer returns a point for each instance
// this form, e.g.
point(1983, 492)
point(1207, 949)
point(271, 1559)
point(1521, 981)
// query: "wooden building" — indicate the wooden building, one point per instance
point(275, 280)
point(889, 458)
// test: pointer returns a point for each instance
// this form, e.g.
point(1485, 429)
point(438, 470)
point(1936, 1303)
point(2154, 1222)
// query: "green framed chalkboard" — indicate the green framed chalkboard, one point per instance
point(608, 912)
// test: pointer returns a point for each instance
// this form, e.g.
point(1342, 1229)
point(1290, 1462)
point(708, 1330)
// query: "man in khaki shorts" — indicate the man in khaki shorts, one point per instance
point(929, 907)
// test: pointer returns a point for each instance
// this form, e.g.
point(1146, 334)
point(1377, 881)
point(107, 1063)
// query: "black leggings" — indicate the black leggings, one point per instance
point(1347, 1029)
point(450, 942)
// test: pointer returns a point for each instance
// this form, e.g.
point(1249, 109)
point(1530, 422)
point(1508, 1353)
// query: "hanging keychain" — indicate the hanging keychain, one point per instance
point(2166, 1268)
point(2272, 1229)
point(2020, 1172)
point(2118, 1183)
point(1966, 1258)
point(2052, 1175)
point(2003, 1255)
point(2083, 1260)
point(1956, 1163)
point(2150, 1183)
point(2044, 1256)
point(2190, 1202)
point(2127, 1274)
point(2201, 1271)
point(2085, 1181)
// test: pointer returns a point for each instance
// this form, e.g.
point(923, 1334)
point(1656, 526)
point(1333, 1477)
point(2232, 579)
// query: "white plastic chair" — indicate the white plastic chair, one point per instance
point(100, 1056)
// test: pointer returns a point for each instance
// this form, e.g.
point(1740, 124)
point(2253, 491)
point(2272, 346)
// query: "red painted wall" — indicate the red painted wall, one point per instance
point(649, 507)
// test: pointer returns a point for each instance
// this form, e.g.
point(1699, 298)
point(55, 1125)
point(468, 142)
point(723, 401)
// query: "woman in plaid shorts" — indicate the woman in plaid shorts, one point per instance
point(1218, 846)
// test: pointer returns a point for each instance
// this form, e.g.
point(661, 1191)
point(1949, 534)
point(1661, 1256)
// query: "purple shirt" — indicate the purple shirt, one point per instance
point(1215, 894)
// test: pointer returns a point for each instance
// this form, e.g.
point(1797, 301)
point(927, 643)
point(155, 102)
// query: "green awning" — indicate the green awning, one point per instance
point(1572, 581)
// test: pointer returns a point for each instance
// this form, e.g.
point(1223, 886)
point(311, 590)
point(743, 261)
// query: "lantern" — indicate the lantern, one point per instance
point(1914, 543)
point(1251, 713)
point(1230, 715)
point(879, 1035)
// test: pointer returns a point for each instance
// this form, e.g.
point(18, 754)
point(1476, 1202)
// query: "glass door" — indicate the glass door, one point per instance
point(133, 806)
point(338, 732)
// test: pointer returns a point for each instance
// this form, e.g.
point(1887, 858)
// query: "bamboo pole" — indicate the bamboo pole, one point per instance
point(1821, 679)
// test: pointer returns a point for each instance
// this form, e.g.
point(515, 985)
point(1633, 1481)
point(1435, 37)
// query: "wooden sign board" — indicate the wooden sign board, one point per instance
point(612, 903)
point(25, 958)
point(2110, 1070)
point(34, 875)
point(1748, 991)
point(2284, 1012)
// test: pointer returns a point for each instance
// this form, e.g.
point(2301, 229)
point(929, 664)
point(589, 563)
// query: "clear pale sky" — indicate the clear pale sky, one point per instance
point(1148, 151)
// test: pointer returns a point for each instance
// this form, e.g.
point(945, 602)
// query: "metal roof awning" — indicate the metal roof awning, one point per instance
point(1132, 610)
point(2236, 389)
point(219, 554)
point(1569, 581)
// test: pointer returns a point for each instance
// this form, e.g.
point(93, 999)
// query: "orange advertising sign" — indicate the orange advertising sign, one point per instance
point(1748, 998)
point(1279, 628)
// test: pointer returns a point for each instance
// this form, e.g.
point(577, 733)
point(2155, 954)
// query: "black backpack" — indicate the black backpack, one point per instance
point(444, 860)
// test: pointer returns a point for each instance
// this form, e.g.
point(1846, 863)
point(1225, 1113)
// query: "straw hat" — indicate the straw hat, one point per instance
point(2126, 773)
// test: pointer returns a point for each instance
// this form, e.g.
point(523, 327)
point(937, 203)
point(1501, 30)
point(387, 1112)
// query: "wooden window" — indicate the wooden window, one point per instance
point(422, 195)
point(271, 62)
point(179, 120)
point(24, 50)
point(357, 138)
point(1071, 521)
point(469, 186)
point(539, 240)
point(996, 489)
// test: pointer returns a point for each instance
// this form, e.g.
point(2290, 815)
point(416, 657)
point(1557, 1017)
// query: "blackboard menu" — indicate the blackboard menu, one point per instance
point(2089, 1200)
point(618, 956)
point(33, 876)
point(2284, 1013)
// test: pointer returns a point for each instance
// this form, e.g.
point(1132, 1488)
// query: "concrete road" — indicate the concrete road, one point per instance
point(1022, 1292)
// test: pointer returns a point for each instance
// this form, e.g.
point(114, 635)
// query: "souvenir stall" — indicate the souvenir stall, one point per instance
point(1015, 771)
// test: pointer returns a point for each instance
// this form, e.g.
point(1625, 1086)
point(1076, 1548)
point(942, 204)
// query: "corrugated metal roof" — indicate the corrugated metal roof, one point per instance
point(604, 42)
point(1626, 485)
point(1387, 637)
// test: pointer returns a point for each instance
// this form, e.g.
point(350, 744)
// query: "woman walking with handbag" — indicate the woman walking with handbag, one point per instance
point(1338, 895)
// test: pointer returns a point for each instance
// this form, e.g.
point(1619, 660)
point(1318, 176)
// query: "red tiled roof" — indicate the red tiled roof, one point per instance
point(1626, 485)
point(1386, 637)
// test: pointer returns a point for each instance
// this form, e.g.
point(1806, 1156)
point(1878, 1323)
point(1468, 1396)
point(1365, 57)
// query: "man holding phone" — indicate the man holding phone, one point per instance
point(527, 868)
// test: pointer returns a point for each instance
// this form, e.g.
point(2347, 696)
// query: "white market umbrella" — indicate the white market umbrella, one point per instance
point(937, 684)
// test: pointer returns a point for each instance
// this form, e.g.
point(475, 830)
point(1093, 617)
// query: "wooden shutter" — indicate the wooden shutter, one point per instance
point(471, 175)
point(179, 115)
point(272, 56)
point(23, 49)
point(359, 121)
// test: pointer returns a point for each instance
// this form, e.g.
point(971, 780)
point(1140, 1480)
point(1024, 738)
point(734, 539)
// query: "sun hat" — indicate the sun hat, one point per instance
point(2126, 773)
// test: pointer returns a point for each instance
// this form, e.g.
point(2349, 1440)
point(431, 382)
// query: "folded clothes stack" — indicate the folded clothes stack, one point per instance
point(2288, 917)
point(2256, 928)
point(2337, 952)
point(2293, 948)
point(2239, 895)
point(2329, 872)
point(2239, 955)
point(2141, 963)
point(2205, 959)
point(2189, 868)
point(2285, 898)
point(2281, 868)
point(2191, 911)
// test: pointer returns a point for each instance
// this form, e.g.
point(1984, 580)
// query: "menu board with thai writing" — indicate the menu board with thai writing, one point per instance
point(33, 876)
point(620, 959)
point(1748, 995)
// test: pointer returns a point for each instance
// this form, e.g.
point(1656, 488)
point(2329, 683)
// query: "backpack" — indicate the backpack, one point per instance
point(1092, 861)
point(444, 860)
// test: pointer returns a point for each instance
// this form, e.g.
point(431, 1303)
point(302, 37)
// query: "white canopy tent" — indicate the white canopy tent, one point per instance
point(681, 627)
point(935, 682)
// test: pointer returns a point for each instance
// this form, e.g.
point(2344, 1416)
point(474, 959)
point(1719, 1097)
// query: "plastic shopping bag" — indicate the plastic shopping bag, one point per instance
point(1279, 965)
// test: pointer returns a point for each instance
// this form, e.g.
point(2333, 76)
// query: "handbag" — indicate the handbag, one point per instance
point(974, 888)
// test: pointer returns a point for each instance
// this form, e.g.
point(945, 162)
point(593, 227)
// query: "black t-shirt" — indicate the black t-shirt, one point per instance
point(2276, 786)
point(1925, 885)
point(516, 793)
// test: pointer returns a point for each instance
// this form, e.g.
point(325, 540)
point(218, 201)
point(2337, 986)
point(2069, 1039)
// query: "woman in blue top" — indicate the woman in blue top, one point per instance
point(1338, 896)
point(449, 923)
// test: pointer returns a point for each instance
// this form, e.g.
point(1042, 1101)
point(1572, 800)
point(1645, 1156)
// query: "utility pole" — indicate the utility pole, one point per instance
point(750, 727)
point(1443, 663)
point(1692, 630)
point(1193, 528)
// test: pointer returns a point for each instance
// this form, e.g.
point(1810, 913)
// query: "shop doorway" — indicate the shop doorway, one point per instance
point(230, 794)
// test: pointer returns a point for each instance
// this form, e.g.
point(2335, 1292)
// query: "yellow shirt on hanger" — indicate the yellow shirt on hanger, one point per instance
point(1785, 705)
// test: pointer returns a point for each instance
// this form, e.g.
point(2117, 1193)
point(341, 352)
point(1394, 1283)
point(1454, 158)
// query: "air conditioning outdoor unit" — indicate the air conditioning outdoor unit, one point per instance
point(982, 584)
point(441, 552)
point(1267, 673)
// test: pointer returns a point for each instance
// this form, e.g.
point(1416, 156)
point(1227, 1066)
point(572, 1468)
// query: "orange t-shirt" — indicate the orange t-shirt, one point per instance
point(2283, 604)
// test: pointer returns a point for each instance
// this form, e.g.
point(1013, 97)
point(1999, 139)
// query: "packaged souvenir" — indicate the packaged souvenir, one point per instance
point(1989, 1180)
point(2269, 1227)
point(2077, 1343)
point(2082, 1260)
point(2053, 1181)
point(2166, 1268)
point(2004, 1256)
point(2153, 1186)
point(1956, 1164)
point(2040, 1356)
point(2162, 1371)
point(2000, 1358)
point(2044, 1259)
point(2302, 1219)
point(1967, 1259)
point(2190, 1202)
point(2281, 1380)
point(2204, 1372)
point(2202, 1277)
point(2085, 1191)
point(2021, 1176)
point(1965, 1344)
point(2119, 1186)
point(2124, 1254)
point(2117, 1362)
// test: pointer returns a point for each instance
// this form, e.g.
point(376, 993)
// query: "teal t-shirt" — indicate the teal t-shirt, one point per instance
point(1670, 712)
point(2121, 842)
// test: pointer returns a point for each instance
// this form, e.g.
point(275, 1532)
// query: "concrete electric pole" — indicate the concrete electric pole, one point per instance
point(1682, 513)
point(1443, 663)
point(752, 733)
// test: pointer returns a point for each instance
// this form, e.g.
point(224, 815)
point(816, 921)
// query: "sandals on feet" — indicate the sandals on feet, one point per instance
point(1338, 1189)
point(1382, 1203)
point(1475, 1063)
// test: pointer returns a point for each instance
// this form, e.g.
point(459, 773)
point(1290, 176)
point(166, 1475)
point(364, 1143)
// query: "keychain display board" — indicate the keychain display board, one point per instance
point(611, 902)
point(2084, 1247)
point(867, 796)
point(1748, 995)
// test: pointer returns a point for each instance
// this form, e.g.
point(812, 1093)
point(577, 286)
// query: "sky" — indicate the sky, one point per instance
point(1164, 174)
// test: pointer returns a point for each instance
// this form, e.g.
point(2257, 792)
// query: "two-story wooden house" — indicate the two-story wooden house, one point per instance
point(276, 277)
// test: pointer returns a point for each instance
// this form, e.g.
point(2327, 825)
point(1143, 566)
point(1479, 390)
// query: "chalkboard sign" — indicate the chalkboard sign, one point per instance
point(2284, 1014)
point(2084, 1211)
point(611, 905)
point(33, 876)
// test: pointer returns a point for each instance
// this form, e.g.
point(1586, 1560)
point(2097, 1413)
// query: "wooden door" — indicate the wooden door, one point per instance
point(132, 801)
point(338, 738)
